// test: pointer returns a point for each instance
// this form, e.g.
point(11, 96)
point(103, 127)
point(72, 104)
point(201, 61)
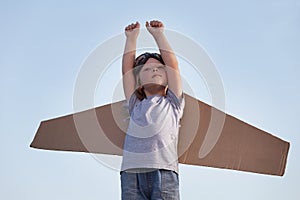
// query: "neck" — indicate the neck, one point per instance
point(154, 89)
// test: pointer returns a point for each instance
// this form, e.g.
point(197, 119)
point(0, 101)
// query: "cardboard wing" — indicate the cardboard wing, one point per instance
point(208, 137)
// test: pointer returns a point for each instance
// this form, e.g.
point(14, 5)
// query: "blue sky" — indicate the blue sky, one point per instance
point(254, 44)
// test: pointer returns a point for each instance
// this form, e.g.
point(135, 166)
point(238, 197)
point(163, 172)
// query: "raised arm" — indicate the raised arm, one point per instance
point(131, 32)
point(156, 28)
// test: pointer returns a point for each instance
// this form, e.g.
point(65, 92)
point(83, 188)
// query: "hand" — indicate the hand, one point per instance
point(155, 27)
point(132, 30)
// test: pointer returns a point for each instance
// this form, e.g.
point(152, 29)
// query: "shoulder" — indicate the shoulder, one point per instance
point(132, 102)
point(178, 102)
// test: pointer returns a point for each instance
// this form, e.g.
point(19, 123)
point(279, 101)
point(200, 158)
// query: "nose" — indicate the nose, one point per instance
point(155, 69)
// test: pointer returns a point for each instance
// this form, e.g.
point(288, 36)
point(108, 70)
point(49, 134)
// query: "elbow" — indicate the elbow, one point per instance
point(173, 64)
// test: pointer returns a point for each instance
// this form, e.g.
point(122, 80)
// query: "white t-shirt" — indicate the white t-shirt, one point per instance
point(152, 135)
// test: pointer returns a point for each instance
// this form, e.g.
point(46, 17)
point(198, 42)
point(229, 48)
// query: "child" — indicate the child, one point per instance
point(153, 90)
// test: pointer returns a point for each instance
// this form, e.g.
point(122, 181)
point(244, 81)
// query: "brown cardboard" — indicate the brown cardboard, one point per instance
point(239, 146)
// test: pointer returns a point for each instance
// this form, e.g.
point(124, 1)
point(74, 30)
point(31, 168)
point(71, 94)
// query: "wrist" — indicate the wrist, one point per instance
point(159, 36)
point(131, 38)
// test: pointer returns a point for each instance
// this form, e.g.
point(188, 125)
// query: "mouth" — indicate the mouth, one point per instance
point(156, 75)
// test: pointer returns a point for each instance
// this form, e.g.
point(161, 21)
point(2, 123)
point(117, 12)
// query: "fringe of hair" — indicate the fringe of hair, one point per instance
point(140, 93)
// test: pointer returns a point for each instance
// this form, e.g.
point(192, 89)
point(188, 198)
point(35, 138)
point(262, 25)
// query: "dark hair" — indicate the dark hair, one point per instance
point(138, 65)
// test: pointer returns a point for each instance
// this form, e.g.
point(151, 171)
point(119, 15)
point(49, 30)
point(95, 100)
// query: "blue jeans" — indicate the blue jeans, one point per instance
point(154, 185)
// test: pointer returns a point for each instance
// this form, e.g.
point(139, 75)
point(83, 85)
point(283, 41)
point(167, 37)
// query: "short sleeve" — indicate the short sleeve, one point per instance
point(133, 100)
point(177, 103)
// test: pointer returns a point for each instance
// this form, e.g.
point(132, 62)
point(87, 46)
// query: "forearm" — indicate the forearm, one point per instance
point(128, 55)
point(166, 51)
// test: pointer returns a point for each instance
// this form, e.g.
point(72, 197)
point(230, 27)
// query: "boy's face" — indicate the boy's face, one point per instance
point(153, 72)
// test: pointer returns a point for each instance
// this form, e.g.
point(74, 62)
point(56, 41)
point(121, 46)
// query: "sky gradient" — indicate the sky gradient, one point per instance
point(255, 46)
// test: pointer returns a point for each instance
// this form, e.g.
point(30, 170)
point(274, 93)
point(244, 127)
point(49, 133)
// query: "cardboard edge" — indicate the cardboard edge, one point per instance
point(284, 159)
